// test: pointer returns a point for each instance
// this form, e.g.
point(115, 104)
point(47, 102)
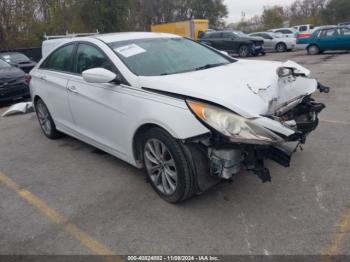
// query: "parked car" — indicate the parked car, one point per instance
point(286, 32)
point(324, 39)
point(18, 60)
point(276, 42)
point(13, 85)
point(186, 113)
point(234, 42)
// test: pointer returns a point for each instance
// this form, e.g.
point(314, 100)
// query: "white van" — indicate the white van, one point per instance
point(304, 28)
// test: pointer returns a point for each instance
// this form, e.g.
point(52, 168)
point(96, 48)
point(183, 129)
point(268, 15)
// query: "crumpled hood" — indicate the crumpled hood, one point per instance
point(249, 88)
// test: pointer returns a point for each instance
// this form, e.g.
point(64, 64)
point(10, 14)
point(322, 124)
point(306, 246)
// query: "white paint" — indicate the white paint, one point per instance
point(246, 236)
point(319, 196)
point(266, 252)
point(303, 177)
point(107, 115)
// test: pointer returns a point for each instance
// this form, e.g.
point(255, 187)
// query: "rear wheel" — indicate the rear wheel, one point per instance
point(166, 166)
point(244, 51)
point(45, 120)
point(281, 47)
point(313, 50)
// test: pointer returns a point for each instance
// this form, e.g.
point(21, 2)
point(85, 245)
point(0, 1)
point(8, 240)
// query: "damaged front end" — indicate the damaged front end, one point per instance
point(237, 142)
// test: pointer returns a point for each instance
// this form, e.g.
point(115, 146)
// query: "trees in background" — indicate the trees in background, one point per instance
point(317, 12)
point(24, 22)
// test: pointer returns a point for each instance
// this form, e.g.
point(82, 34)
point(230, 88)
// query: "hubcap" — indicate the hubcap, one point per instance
point(44, 118)
point(280, 48)
point(160, 166)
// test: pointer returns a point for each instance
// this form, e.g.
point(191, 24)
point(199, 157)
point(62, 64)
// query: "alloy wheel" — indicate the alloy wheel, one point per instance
point(160, 166)
point(44, 118)
point(243, 51)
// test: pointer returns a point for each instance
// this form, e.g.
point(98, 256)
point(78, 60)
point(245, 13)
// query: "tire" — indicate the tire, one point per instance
point(166, 166)
point(313, 50)
point(46, 122)
point(244, 51)
point(281, 47)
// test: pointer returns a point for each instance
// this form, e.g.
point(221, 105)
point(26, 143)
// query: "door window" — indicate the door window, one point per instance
point(60, 60)
point(329, 32)
point(89, 57)
point(303, 28)
point(227, 35)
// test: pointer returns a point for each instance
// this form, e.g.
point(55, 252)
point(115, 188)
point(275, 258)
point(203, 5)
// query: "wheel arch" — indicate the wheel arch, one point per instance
point(137, 140)
point(36, 98)
point(313, 44)
point(283, 43)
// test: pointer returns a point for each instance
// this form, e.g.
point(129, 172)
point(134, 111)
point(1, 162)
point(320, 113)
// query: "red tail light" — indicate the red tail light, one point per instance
point(28, 78)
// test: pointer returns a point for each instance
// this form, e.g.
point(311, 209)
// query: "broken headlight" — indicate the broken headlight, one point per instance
point(236, 128)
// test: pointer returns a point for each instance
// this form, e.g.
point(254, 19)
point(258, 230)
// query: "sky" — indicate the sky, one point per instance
point(250, 7)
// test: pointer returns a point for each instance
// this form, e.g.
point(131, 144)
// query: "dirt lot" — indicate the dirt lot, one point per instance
point(65, 197)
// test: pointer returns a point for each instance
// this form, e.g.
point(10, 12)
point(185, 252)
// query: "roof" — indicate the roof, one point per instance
point(116, 37)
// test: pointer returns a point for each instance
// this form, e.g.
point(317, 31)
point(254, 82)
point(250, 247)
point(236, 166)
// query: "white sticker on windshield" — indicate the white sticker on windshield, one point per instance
point(130, 50)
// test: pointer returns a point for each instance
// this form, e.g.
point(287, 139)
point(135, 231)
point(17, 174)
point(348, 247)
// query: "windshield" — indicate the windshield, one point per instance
point(3, 64)
point(165, 56)
point(15, 57)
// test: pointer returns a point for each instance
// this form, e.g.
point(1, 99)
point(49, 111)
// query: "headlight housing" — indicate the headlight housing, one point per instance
point(236, 128)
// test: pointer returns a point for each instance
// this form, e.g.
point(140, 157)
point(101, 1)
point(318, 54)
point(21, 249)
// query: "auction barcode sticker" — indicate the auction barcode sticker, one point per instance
point(130, 50)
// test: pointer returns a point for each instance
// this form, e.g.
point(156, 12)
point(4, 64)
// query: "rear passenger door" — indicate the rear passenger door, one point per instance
point(51, 81)
point(96, 108)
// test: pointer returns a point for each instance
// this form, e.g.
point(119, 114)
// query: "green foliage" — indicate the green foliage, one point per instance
point(273, 17)
point(337, 11)
point(24, 22)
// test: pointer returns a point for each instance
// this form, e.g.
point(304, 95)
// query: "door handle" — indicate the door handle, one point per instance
point(73, 89)
point(42, 77)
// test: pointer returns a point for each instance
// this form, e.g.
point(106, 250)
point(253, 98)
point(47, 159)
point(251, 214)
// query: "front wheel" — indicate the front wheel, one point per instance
point(166, 166)
point(244, 51)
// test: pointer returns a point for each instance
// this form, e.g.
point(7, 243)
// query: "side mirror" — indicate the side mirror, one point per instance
point(99, 76)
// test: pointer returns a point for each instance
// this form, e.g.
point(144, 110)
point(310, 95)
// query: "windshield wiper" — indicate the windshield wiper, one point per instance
point(207, 66)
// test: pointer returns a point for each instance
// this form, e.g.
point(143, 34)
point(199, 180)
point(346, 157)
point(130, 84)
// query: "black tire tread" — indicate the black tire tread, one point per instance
point(55, 134)
point(174, 146)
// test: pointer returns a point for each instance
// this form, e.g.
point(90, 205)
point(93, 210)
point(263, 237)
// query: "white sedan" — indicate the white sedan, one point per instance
point(186, 113)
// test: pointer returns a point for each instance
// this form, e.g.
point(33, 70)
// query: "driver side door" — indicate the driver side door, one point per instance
point(97, 109)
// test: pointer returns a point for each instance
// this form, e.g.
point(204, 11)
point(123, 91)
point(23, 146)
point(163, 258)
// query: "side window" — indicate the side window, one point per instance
point(215, 35)
point(89, 57)
point(266, 36)
point(60, 60)
point(303, 28)
point(329, 32)
point(227, 35)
